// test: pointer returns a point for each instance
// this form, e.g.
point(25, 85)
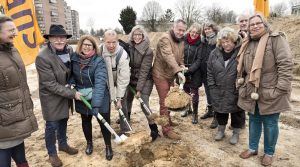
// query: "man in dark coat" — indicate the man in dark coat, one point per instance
point(53, 70)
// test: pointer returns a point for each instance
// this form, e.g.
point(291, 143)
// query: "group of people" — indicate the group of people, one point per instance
point(246, 71)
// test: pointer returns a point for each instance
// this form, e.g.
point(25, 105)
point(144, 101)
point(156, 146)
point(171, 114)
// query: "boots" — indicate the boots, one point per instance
point(214, 123)
point(154, 131)
point(89, 148)
point(195, 114)
point(109, 153)
point(69, 150)
point(55, 161)
point(221, 133)
point(209, 112)
point(172, 135)
point(235, 136)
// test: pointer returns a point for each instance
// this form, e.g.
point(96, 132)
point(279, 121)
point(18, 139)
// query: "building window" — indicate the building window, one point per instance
point(52, 1)
point(53, 13)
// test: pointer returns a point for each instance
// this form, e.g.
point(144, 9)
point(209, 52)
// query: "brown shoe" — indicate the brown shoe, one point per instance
point(68, 149)
point(267, 160)
point(55, 161)
point(247, 154)
point(172, 135)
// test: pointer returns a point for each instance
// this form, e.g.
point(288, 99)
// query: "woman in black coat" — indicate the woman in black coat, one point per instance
point(221, 79)
point(208, 43)
point(193, 76)
point(89, 72)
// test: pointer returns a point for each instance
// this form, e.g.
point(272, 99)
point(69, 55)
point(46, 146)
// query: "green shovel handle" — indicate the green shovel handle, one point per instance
point(86, 102)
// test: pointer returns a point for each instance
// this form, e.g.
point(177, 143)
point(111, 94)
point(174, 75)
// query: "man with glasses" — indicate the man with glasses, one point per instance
point(53, 67)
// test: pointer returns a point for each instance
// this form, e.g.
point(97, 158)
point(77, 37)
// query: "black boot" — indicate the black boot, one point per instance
point(129, 113)
point(154, 131)
point(214, 123)
point(209, 113)
point(195, 113)
point(109, 152)
point(89, 148)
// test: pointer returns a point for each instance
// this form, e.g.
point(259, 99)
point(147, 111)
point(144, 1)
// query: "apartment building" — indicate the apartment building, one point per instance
point(75, 24)
point(54, 12)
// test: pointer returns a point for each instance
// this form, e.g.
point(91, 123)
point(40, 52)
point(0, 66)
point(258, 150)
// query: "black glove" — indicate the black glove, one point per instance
point(95, 111)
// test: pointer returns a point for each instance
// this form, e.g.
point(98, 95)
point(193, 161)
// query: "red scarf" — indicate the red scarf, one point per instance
point(89, 55)
point(192, 41)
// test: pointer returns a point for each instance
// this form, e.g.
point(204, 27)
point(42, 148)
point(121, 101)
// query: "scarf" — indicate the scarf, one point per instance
point(211, 38)
point(255, 72)
point(177, 40)
point(86, 56)
point(192, 41)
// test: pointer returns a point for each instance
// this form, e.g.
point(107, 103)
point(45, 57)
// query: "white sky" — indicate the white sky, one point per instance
point(106, 13)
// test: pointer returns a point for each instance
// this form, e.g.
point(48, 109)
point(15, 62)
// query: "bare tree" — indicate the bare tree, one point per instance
point(189, 11)
point(152, 13)
point(278, 9)
point(294, 2)
point(90, 23)
point(214, 13)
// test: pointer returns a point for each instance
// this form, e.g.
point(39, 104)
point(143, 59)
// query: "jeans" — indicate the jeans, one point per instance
point(271, 131)
point(163, 87)
point(207, 93)
point(55, 130)
point(128, 99)
point(17, 153)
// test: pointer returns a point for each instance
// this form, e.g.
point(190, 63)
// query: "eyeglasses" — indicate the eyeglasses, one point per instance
point(13, 30)
point(87, 45)
point(194, 32)
point(138, 35)
point(256, 24)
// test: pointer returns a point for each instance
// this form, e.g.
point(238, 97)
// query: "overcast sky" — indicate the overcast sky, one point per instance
point(106, 13)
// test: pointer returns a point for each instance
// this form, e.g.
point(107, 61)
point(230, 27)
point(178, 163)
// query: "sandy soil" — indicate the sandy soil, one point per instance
point(197, 147)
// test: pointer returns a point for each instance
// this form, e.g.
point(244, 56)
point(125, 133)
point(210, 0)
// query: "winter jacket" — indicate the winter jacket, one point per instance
point(141, 57)
point(17, 120)
point(276, 77)
point(221, 80)
point(53, 76)
point(169, 57)
point(119, 77)
point(203, 52)
point(93, 75)
point(193, 75)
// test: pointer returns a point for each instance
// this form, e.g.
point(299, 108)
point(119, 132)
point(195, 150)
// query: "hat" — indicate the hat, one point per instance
point(57, 30)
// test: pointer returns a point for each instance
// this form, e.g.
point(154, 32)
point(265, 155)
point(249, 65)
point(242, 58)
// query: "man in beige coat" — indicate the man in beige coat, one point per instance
point(167, 64)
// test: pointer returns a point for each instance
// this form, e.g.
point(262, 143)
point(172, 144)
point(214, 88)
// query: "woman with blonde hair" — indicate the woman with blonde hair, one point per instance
point(141, 57)
point(89, 73)
point(192, 41)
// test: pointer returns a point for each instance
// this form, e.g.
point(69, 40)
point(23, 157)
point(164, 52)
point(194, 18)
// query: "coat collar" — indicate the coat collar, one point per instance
point(141, 47)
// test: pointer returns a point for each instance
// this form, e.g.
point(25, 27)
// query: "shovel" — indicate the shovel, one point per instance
point(118, 139)
point(150, 114)
point(123, 116)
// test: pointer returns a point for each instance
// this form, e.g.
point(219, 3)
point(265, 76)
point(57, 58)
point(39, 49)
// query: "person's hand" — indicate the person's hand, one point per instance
point(138, 94)
point(183, 68)
point(77, 95)
point(181, 78)
point(95, 111)
point(118, 104)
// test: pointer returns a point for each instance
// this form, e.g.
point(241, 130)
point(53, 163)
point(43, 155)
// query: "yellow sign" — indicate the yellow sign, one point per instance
point(262, 6)
point(29, 35)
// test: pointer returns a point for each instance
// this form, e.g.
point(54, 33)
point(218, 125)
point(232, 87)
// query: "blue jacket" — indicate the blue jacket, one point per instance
point(98, 75)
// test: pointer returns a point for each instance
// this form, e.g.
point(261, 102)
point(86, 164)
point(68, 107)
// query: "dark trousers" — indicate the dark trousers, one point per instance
point(87, 127)
point(55, 130)
point(192, 91)
point(17, 153)
point(236, 119)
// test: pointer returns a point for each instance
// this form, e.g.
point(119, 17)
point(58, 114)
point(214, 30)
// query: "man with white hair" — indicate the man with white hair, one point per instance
point(117, 63)
point(243, 20)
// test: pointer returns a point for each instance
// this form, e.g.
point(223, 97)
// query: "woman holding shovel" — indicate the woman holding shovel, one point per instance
point(89, 74)
point(141, 57)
